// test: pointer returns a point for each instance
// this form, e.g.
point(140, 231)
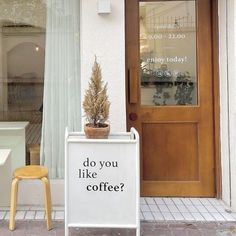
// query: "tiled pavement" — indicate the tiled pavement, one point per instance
point(159, 217)
point(185, 209)
point(152, 209)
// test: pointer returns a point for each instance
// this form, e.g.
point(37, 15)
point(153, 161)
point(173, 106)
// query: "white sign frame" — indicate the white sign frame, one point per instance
point(76, 140)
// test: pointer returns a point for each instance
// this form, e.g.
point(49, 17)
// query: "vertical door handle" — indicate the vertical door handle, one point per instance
point(132, 85)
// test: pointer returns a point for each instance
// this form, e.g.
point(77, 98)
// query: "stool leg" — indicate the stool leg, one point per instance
point(48, 204)
point(14, 190)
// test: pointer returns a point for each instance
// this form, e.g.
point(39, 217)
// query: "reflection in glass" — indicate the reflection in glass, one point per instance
point(168, 53)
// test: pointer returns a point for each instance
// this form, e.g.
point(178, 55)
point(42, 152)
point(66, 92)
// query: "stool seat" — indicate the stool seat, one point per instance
point(31, 172)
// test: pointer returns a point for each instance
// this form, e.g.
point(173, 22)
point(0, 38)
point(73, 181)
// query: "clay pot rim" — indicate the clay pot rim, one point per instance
point(103, 125)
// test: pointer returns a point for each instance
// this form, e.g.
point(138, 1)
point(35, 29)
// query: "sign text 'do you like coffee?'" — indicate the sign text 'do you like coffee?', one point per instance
point(91, 172)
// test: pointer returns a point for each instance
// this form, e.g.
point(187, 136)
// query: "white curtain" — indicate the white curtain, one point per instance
point(61, 102)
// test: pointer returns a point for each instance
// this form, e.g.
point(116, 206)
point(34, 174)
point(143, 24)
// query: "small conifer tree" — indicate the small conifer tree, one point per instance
point(96, 105)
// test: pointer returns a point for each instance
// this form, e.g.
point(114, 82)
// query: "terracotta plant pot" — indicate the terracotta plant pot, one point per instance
point(97, 133)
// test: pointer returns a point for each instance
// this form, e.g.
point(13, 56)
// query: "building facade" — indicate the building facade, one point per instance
point(170, 69)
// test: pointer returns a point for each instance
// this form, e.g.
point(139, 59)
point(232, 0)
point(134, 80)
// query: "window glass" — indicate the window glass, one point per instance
point(40, 75)
point(22, 49)
point(168, 53)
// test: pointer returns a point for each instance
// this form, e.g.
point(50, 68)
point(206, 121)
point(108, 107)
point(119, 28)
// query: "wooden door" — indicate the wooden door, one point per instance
point(170, 94)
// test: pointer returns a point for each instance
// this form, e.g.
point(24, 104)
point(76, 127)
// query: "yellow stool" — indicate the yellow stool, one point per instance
point(30, 172)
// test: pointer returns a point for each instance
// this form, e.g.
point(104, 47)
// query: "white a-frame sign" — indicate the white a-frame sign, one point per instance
point(102, 183)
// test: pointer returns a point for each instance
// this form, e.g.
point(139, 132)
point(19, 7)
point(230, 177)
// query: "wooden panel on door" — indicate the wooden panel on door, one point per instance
point(175, 149)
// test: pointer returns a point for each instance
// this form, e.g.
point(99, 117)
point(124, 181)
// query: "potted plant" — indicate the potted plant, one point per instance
point(96, 105)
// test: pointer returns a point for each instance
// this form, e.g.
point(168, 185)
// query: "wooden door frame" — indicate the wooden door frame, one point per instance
point(216, 93)
point(216, 97)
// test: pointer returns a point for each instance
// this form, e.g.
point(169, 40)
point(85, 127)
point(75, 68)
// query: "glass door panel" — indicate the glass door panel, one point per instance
point(168, 73)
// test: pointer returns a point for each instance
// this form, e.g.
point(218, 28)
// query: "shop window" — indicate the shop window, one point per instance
point(39, 75)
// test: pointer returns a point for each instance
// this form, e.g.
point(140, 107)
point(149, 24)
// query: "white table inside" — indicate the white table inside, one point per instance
point(5, 177)
point(12, 136)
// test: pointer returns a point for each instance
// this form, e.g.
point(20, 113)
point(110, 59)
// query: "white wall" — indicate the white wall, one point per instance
point(104, 35)
point(224, 102)
point(227, 63)
point(232, 95)
point(35, 192)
